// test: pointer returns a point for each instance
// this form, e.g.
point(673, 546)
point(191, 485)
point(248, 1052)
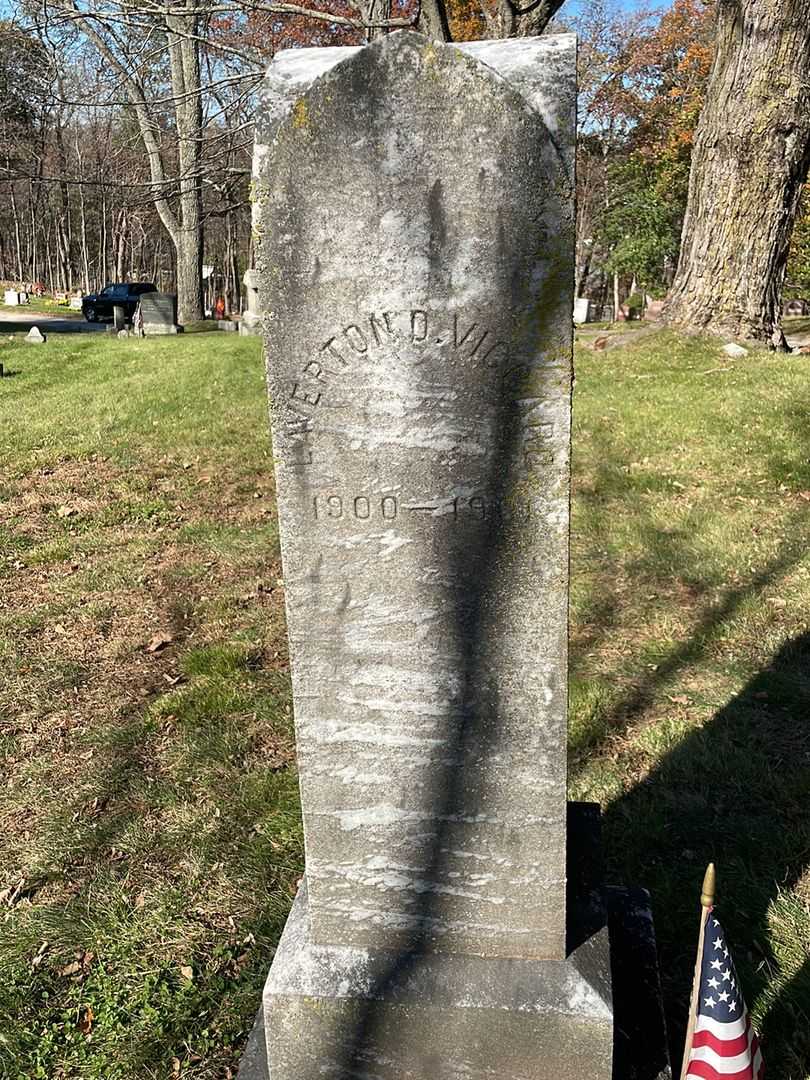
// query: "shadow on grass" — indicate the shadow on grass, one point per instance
point(181, 856)
point(667, 559)
point(735, 792)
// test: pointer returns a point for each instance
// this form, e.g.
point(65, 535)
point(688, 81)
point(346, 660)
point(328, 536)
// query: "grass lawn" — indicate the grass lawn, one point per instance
point(149, 832)
point(44, 305)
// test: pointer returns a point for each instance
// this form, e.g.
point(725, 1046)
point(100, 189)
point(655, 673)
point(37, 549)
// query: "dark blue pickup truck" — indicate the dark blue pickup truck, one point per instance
point(126, 295)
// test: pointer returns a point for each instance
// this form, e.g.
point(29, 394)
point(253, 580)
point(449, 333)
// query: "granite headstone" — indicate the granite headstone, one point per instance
point(414, 225)
point(158, 313)
point(250, 322)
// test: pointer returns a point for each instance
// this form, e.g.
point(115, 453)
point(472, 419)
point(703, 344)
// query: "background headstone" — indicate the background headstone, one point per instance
point(582, 307)
point(250, 322)
point(415, 224)
point(795, 307)
point(158, 313)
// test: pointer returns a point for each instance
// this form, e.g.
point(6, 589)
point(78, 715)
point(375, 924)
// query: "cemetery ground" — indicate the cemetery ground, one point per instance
point(149, 824)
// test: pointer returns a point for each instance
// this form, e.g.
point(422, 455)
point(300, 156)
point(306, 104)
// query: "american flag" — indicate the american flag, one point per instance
point(724, 1046)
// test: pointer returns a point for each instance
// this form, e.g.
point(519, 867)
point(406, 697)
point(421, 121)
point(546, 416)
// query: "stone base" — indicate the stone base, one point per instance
point(343, 1012)
point(156, 329)
point(640, 1035)
point(250, 324)
point(347, 1012)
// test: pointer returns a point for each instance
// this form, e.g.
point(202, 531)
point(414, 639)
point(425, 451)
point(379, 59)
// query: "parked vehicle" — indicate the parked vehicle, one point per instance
point(124, 294)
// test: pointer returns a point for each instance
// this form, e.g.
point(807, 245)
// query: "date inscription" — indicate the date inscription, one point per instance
point(386, 508)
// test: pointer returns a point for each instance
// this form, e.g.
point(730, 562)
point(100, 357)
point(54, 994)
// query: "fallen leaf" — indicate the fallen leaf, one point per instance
point(67, 511)
point(40, 955)
point(681, 699)
point(187, 972)
point(139, 901)
point(11, 895)
point(72, 968)
point(85, 1019)
point(175, 1066)
point(159, 640)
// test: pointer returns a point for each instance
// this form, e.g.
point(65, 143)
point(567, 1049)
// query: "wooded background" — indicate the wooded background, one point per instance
point(125, 142)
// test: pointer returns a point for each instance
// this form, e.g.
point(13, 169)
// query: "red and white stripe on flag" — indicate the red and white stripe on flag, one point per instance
point(724, 1051)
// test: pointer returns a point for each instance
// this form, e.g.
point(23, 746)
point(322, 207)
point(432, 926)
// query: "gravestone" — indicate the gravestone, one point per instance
point(414, 216)
point(250, 322)
point(582, 309)
point(158, 314)
point(35, 336)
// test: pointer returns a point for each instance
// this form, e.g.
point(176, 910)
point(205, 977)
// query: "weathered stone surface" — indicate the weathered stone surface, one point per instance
point(250, 322)
point(736, 352)
point(346, 1012)
point(35, 336)
point(416, 217)
point(413, 219)
point(158, 314)
point(253, 1064)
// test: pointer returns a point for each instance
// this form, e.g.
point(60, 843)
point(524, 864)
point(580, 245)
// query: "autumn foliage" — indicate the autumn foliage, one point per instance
point(642, 80)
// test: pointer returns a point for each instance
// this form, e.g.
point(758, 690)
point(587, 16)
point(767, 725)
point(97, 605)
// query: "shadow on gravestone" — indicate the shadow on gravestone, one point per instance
point(415, 224)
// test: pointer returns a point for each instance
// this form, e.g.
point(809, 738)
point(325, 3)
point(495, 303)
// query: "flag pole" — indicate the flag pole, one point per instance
point(706, 905)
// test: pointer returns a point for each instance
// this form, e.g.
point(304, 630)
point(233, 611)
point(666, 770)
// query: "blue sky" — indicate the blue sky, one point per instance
point(571, 6)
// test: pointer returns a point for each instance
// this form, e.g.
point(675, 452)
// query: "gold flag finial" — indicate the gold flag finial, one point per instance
point(709, 884)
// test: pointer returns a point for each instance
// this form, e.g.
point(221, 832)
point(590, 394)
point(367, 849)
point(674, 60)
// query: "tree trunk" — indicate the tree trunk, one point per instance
point(182, 33)
point(120, 247)
point(616, 305)
point(102, 254)
point(17, 242)
point(184, 58)
point(452, 20)
point(751, 154)
point(34, 259)
point(83, 223)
